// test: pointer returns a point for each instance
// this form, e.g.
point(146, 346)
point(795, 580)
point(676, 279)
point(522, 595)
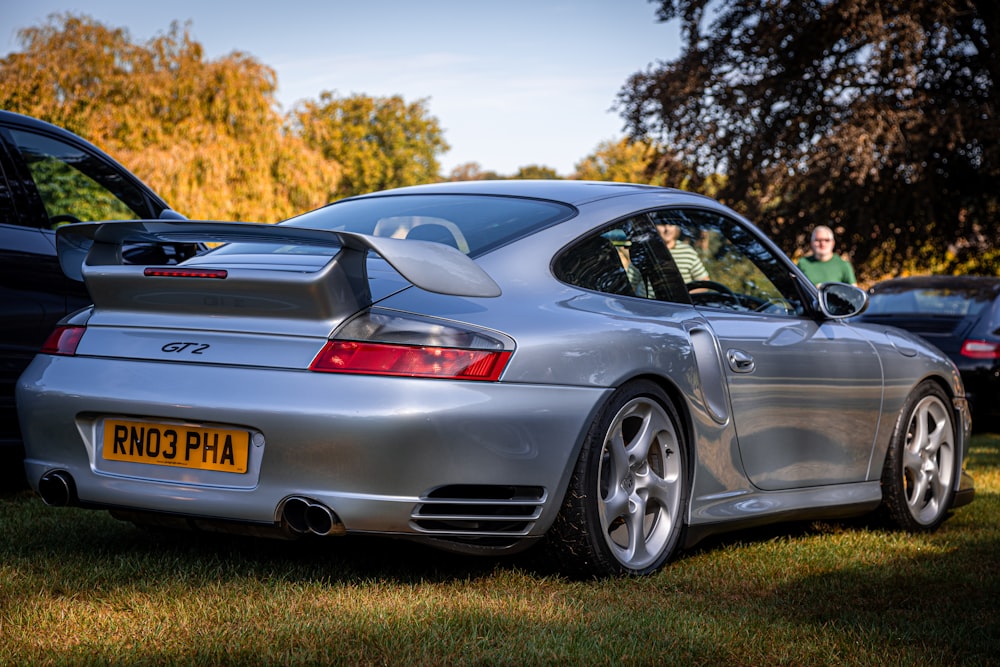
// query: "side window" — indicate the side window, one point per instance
point(75, 186)
point(626, 258)
point(7, 211)
point(737, 272)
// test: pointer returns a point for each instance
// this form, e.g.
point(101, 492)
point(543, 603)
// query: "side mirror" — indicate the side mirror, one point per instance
point(840, 300)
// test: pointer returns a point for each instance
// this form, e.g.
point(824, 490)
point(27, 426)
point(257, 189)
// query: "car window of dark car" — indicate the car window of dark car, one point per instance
point(76, 186)
point(742, 274)
point(930, 300)
point(626, 258)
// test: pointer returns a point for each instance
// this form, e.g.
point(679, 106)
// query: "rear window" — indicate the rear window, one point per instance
point(474, 224)
point(942, 301)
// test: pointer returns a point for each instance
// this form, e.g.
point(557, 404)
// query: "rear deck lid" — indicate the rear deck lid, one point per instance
point(275, 309)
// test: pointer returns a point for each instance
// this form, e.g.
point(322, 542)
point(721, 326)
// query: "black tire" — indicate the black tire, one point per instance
point(920, 474)
point(623, 513)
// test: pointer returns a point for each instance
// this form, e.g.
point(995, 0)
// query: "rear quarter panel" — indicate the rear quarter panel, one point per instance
point(907, 360)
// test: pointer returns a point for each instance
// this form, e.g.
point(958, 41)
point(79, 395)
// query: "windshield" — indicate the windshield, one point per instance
point(474, 224)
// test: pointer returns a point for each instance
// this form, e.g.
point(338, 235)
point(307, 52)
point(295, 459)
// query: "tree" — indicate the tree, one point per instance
point(207, 135)
point(472, 171)
point(536, 171)
point(876, 118)
point(381, 142)
point(624, 161)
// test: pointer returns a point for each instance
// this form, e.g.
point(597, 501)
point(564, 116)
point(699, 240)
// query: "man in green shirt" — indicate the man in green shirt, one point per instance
point(823, 265)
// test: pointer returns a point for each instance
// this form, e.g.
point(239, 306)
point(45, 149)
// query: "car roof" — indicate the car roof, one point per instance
point(972, 283)
point(30, 123)
point(568, 191)
point(12, 118)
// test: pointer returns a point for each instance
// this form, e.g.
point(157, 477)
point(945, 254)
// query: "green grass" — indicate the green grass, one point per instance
point(77, 587)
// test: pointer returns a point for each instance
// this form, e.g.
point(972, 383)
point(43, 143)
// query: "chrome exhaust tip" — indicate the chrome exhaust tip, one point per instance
point(304, 515)
point(57, 488)
point(321, 519)
point(294, 514)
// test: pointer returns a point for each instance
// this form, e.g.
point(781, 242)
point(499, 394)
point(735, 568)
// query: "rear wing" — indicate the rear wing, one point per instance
point(434, 267)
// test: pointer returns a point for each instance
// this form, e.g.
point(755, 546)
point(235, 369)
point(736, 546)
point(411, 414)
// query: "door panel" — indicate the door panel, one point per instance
point(805, 391)
point(805, 396)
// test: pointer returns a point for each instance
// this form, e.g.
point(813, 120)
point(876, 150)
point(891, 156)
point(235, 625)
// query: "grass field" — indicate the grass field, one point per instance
point(78, 587)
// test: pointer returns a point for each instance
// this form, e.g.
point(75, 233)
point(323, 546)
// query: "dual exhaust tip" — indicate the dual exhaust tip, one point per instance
point(57, 488)
point(302, 515)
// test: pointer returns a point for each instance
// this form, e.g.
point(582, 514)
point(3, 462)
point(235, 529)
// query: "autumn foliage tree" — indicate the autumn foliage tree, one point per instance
point(472, 171)
point(878, 118)
point(381, 142)
point(535, 171)
point(206, 134)
point(209, 135)
point(623, 161)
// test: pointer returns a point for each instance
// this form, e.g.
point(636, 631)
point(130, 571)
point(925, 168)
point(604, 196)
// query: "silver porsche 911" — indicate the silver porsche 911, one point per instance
point(614, 371)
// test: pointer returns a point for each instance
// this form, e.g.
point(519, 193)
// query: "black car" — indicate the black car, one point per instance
point(961, 316)
point(51, 177)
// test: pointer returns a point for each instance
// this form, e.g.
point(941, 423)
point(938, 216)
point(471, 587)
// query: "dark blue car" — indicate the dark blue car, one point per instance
point(961, 316)
point(50, 177)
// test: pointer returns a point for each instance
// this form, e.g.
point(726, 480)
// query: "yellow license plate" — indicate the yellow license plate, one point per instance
point(178, 445)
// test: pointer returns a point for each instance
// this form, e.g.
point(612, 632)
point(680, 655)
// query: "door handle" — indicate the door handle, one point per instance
point(740, 361)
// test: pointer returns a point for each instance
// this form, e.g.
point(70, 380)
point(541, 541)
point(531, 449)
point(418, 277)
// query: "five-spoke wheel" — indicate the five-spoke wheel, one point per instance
point(624, 510)
point(919, 477)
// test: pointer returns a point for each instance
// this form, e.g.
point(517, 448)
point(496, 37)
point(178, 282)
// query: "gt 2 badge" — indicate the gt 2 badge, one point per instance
point(190, 348)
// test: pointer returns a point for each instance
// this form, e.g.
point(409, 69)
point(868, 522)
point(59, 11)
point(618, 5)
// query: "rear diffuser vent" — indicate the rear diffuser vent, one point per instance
point(471, 510)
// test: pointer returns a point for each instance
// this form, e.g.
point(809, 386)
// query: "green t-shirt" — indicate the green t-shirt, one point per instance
point(835, 269)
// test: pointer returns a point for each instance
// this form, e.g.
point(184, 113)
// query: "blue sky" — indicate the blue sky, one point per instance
point(512, 83)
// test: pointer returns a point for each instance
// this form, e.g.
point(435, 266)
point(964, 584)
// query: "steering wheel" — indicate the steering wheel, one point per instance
point(714, 287)
point(776, 306)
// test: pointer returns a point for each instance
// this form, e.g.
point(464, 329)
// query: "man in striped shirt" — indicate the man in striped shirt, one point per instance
point(685, 257)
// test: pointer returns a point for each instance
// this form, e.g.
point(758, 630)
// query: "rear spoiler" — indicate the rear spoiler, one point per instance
point(434, 267)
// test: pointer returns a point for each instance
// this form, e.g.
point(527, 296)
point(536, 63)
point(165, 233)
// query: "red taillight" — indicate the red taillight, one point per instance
point(980, 349)
point(64, 340)
point(410, 360)
point(185, 273)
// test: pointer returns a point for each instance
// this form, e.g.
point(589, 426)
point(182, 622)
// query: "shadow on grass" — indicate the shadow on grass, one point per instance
point(29, 530)
point(984, 452)
point(913, 608)
point(71, 535)
point(84, 542)
point(78, 538)
point(931, 609)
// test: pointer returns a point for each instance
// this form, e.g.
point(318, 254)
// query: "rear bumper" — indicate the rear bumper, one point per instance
point(375, 450)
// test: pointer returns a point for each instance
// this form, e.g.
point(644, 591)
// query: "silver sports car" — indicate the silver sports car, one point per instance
point(614, 371)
